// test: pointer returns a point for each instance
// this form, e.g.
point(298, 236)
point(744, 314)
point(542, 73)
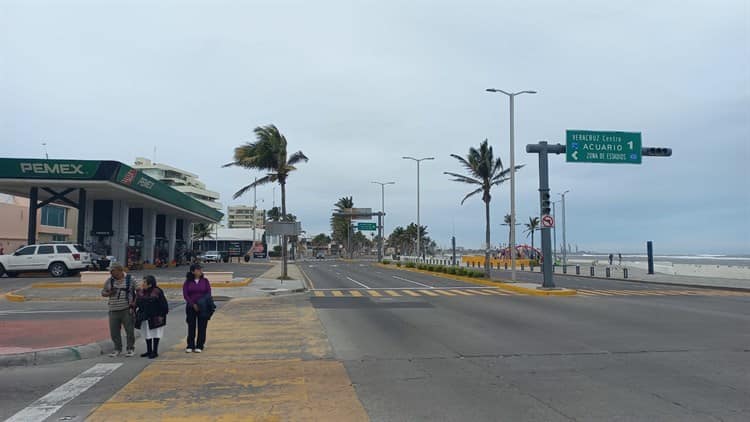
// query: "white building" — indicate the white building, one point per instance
point(180, 180)
point(243, 216)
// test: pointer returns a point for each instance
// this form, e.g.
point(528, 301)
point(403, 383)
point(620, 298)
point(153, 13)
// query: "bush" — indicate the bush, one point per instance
point(386, 261)
point(451, 270)
point(460, 271)
point(398, 264)
point(409, 265)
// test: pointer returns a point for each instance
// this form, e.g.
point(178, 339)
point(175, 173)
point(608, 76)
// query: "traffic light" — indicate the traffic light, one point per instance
point(657, 152)
point(546, 203)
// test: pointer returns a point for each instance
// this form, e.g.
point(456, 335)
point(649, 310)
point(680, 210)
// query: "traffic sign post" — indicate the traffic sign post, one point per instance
point(609, 147)
point(367, 226)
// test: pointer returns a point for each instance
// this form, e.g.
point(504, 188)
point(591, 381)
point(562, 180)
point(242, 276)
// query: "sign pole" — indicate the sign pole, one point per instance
point(548, 282)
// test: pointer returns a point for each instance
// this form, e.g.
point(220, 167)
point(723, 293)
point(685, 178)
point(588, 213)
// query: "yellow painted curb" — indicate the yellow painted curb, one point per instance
point(12, 297)
point(481, 282)
point(166, 285)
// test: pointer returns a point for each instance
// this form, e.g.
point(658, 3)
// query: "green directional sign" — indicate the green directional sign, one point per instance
point(367, 226)
point(589, 146)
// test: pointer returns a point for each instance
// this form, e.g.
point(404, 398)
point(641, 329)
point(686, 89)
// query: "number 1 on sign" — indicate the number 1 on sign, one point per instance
point(630, 144)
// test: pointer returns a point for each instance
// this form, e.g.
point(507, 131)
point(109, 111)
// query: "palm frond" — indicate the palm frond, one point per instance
point(263, 180)
point(470, 194)
point(297, 157)
point(462, 178)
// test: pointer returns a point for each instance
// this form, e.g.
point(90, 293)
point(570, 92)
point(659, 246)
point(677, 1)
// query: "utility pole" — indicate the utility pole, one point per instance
point(255, 207)
point(565, 244)
point(381, 220)
point(419, 227)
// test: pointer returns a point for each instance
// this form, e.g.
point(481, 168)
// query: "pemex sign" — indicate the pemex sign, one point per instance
point(611, 147)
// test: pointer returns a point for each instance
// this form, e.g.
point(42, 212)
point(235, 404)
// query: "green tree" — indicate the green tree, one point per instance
point(340, 225)
point(274, 214)
point(485, 172)
point(201, 231)
point(321, 240)
point(269, 154)
point(531, 227)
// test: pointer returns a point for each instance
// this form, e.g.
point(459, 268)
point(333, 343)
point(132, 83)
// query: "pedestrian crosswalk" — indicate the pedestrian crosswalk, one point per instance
point(381, 293)
point(655, 292)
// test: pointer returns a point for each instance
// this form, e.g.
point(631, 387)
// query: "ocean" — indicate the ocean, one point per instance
point(699, 259)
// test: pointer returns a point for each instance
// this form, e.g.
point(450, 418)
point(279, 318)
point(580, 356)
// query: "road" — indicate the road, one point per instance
point(624, 351)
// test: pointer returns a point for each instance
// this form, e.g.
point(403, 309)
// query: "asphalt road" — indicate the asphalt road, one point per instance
point(661, 354)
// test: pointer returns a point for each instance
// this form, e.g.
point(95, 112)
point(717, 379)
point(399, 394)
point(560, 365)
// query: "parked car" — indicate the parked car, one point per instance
point(59, 259)
point(211, 256)
point(320, 255)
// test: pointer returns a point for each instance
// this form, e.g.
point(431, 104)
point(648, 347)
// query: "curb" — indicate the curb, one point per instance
point(498, 284)
point(57, 355)
point(166, 285)
point(13, 297)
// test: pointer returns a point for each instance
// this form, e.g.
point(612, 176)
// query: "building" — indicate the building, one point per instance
point(180, 180)
point(243, 216)
point(119, 210)
point(54, 223)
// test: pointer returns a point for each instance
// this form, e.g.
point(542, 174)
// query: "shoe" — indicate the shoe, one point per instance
point(188, 350)
point(197, 351)
point(114, 354)
point(130, 353)
point(153, 355)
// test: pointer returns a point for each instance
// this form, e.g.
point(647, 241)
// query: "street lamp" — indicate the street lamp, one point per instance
point(512, 96)
point(382, 210)
point(565, 244)
point(419, 228)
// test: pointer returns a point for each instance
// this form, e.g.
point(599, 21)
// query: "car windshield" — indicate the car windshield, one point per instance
point(212, 253)
point(80, 248)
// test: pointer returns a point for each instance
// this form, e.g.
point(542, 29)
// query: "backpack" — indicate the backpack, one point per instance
point(129, 294)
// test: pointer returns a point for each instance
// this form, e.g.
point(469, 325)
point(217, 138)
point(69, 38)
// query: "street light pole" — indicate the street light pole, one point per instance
point(381, 248)
point(512, 245)
point(565, 244)
point(419, 227)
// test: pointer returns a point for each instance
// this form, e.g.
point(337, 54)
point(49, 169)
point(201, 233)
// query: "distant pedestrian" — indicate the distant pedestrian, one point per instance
point(611, 257)
point(120, 291)
point(2, 251)
point(199, 307)
point(151, 315)
point(619, 259)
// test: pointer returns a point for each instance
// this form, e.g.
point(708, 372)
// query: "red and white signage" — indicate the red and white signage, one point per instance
point(548, 222)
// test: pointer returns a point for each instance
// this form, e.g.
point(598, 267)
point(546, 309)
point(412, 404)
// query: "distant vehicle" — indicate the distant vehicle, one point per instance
point(59, 259)
point(320, 255)
point(212, 256)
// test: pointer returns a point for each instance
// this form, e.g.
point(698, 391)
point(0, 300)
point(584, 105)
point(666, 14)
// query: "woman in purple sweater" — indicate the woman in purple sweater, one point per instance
point(195, 289)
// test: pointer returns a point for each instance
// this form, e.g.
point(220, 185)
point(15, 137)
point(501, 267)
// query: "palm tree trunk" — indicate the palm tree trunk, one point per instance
point(487, 238)
point(284, 257)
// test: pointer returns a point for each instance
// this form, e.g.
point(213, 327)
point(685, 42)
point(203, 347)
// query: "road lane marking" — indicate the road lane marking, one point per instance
point(411, 293)
point(337, 293)
point(319, 293)
point(355, 293)
point(62, 395)
point(361, 284)
point(428, 293)
point(481, 292)
point(410, 281)
point(392, 293)
point(374, 293)
point(461, 292)
point(497, 292)
point(446, 293)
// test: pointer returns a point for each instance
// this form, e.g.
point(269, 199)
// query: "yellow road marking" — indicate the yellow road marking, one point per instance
point(392, 293)
point(410, 293)
point(481, 292)
point(497, 292)
point(428, 293)
point(374, 293)
point(355, 293)
point(318, 293)
point(337, 293)
point(443, 292)
point(596, 292)
point(461, 292)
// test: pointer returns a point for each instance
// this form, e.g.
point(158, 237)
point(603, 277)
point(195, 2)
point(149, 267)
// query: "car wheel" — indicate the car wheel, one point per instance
point(2, 271)
point(57, 269)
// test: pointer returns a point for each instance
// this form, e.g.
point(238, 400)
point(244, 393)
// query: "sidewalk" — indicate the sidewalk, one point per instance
point(266, 359)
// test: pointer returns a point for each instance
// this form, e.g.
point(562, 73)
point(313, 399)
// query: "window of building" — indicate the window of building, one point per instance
point(46, 249)
point(59, 238)
point(54, 216)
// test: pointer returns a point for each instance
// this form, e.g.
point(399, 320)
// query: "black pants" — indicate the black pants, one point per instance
point(193, 322)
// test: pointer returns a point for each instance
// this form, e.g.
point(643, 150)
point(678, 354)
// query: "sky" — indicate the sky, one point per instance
point(356, 85)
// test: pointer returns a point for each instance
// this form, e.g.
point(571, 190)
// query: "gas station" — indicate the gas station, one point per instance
point(121, 211)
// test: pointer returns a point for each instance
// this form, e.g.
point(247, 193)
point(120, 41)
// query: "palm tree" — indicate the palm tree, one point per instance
point(506, 222)
point(340, 225)
point(485, 171)
point(201, 231)
point(531, 227)
point(268, 153)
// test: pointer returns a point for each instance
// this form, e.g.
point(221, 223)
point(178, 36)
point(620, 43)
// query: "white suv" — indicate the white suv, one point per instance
point(57, 258)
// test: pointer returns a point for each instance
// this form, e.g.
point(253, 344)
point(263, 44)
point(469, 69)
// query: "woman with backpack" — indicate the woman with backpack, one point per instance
point(151, 315)
point(199, 307)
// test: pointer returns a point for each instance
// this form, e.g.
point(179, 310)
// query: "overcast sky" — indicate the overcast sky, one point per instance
point(356, 85)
